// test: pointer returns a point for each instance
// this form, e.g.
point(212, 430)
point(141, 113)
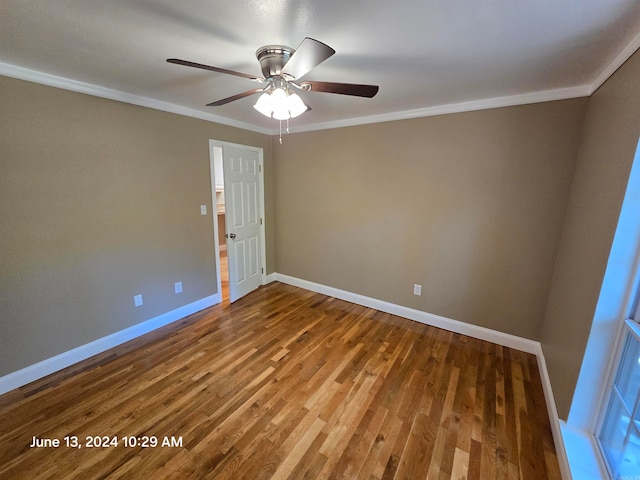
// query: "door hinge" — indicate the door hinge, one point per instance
point(260, 221)
point(262, 270)
point(260, 168)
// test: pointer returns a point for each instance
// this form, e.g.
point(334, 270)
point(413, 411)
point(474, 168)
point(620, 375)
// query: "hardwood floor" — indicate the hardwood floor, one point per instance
point(286, 383)
point(224, 276)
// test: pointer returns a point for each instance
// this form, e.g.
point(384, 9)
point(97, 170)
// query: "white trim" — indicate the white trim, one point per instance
point(616, 63)
point(53, 364)
point(50, 365)
point(583, 454)
point(263, 248)
point(482, 333)
point(593, 452)
point(484, 104)
point(615, 303)
point(14, 71)
point(554, 420)
point(20, 73)
point(263, 222)
point(585, 90)
point(216, 243)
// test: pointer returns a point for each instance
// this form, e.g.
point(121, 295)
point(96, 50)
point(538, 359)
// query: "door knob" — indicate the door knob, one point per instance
point(230, 235)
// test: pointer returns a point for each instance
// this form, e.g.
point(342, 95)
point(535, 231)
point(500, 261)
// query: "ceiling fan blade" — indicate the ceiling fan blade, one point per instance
point(187, 63)
point(224, 101)
point(354, 89)
point(309, 54)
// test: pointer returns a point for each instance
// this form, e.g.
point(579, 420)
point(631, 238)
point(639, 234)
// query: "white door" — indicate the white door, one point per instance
point(242, 205)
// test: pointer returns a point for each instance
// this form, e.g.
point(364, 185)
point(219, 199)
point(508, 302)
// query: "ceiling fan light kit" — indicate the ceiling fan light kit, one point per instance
point(282, 68)
point(278, 102)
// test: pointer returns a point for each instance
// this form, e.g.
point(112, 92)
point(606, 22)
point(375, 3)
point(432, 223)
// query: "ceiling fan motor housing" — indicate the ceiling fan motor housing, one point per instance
point(273, 58)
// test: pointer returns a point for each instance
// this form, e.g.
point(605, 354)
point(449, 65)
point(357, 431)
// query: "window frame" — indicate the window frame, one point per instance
point(630, 329)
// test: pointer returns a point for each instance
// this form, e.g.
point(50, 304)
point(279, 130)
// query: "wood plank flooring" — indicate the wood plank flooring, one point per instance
point(224, 276)
point(286, 384)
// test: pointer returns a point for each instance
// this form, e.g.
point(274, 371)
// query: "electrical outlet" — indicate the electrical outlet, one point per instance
point(137, 300)
point(417, 289)
point(178, 287)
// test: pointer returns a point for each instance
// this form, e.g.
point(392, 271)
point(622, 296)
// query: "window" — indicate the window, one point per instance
point(619, 435)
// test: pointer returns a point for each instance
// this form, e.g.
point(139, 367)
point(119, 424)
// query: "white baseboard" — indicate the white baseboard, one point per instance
point(482, 333)
point(46, 367)
point(556, 428)
point(51, 365)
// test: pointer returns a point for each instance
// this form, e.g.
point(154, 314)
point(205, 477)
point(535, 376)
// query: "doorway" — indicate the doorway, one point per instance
point(237, 189)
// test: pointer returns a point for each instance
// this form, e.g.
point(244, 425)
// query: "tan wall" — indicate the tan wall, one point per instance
point(607, 150)
point(99, 201)
point(468, 205)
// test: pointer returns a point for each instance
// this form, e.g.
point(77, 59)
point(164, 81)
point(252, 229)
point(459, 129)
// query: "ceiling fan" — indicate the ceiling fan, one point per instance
point(283, 67)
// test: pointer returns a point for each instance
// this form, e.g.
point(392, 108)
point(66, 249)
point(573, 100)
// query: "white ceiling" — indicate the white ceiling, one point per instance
point(427, 56)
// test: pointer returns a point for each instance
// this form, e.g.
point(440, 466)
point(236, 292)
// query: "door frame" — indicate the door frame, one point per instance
point(214, 216)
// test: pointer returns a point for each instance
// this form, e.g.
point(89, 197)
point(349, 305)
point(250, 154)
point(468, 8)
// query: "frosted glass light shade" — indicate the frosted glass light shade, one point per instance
point(281, 113)
point(278, 96)
point(264, 105)
point(296, 105)
point(280, 105)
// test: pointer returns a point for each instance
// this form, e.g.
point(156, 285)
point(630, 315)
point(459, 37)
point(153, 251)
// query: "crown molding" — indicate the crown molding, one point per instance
point(496, 102)
point(484, 104)
point(64, 83)
point(616, 63)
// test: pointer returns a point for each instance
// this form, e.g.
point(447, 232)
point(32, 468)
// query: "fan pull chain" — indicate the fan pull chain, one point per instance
point(286, 129)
